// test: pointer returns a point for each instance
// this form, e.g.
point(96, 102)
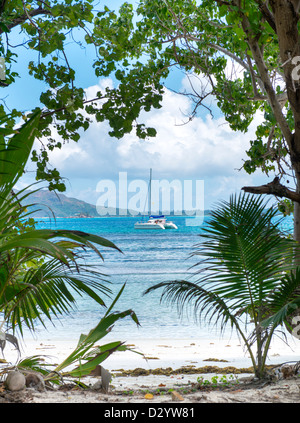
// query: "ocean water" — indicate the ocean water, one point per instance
point(148, 257)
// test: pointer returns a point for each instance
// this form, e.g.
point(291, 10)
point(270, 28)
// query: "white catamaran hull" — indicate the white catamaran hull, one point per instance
point(155, 225)
point(147, 225)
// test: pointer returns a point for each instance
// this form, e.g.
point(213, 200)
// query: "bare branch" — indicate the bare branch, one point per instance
point(222, 50)
point(267, 84)
point(29, 17)
point(274, 188)
point(254, 79)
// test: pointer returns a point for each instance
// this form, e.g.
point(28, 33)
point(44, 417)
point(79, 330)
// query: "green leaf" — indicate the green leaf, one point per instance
point(82, 352)
point(14, 155)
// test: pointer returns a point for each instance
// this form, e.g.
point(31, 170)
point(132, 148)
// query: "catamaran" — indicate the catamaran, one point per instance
point(154, 222)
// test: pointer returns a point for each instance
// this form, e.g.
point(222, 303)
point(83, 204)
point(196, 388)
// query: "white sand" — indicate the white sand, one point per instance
point(163, 353)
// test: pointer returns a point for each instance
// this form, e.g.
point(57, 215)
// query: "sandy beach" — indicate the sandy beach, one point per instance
point(167, 368)
point(162, 353)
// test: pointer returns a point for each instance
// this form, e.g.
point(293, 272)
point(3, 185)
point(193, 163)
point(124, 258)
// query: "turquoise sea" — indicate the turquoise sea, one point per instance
point(148, 257)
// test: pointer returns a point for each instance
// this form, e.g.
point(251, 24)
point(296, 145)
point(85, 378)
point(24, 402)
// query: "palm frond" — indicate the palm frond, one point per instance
point(284, 300)
point(48, 290)
point(85, 351)
point(40, 269)
point(14, 153)
point(243, 258)
point(243, 254)
point(206, 304)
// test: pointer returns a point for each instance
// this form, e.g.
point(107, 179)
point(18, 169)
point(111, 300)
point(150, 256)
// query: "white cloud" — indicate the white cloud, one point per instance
point(204, 148)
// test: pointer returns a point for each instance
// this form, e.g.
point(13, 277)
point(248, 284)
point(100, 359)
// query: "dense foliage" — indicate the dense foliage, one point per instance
point(49, 30)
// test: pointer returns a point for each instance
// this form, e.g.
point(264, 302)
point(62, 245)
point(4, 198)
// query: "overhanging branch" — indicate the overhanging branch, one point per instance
point(22, 18)
point(274, 188)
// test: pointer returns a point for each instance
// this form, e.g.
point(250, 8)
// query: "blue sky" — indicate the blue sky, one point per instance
point(204, 149)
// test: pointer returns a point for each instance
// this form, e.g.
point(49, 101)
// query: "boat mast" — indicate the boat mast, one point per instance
point(149, 207)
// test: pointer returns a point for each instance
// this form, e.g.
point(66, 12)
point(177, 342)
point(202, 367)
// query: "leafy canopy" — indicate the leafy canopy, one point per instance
point(51, 31)
point(239, 52)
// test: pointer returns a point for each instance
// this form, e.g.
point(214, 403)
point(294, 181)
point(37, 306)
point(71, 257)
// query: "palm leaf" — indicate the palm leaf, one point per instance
point(243, 257)
point(40, 240)
point(15, 152)
point(83, 352)
point(47, 290)
point(284, 301)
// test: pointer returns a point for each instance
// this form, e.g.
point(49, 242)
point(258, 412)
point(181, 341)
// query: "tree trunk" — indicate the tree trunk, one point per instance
point(297, 219)
point(286, 22)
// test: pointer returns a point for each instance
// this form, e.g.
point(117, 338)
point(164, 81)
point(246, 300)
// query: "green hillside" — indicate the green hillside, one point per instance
point(45, 203)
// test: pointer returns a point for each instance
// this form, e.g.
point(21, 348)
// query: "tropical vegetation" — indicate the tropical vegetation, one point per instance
point(244, 54)
point(246, 277)
point(51, 33)
point(42, 269)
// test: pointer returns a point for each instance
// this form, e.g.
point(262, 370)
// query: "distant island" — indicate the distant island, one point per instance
point(46, 203)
